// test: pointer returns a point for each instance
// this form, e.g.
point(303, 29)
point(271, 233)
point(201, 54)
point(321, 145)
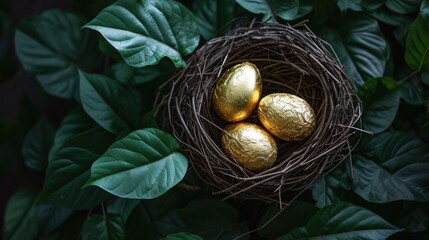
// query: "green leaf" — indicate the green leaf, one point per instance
point(415, 92)
point(299, 233)
point(292, 216)
point(144, 31)
point(144, 217)
point(52, 47)
point(37, 143)
point(355, 5)
point(417, 45)
point(122, 207)
point(287, 10)
point(214, 17)
point(110, 104)
point(182, 236)
point(103, 227)
point(380, 97)
point(69, 169)
point(359, 45)
point(76, 122)
point(392, 166)
point(403, 6)
point(20, 221)
point(49, 217)
point(330, 189)
point(126, 74)
point(343, 221)
point(372, 5)
point(142, 165)
point(208, 218)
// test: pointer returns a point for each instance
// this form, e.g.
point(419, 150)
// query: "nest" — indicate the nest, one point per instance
point(291, 59)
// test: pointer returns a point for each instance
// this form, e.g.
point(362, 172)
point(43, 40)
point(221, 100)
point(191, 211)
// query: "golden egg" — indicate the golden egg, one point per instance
point(249, 145)
point(237, 92)
point(287, 116)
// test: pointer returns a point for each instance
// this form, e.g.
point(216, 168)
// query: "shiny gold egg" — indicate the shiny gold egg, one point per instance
point(237, 92)
point(287, 116)
point(249, 145)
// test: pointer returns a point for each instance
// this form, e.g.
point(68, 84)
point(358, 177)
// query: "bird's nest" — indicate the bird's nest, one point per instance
point(291, 59)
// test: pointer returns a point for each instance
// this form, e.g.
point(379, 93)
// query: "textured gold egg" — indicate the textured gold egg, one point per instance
point(237, 92)
point(249, 145)
point(287, 116)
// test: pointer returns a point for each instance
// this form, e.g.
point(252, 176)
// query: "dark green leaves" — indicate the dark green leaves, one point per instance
point(110, 104)
point(145, 31)
point(20, 216)
point(142, 165)
point(403, 6)
point(343, 221)
point(331, 188)
point(392, 166)
point(50, 217)
point(52, 47)
point(380, 97)
point(182, 236)
point(417, 45)
point(69, 168)
point(214, 17)
point(295, 215)
point(208, 218)
point(359, 44)
point(287, 10)
point(354, 5)
point(103, 227)
point(37, 143)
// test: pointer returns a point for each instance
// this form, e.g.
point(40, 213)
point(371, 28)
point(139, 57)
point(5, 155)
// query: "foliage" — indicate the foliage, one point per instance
point(110, 173)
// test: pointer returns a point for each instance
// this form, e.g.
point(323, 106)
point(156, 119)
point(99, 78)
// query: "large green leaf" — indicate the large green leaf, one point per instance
point(292, 216)
point(20, 221)
point(37, 143)
point(331, 188)
point(144, 31)
point(69, 169)
point(109, 103)
point(142, 165)
point(208, 218)
point(214, 17)
point(343, 221)
point(287, 10)
point(101, 227)
point(417, 45)
point(53, 47)
point(359, 45)
point(380, 97)
point(392, 166)
point(182, 236)
point(403, 6)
